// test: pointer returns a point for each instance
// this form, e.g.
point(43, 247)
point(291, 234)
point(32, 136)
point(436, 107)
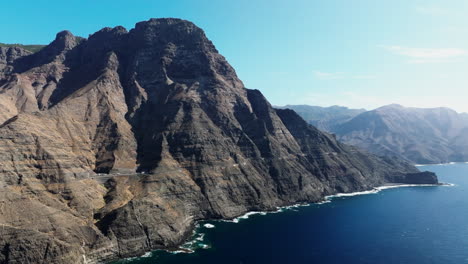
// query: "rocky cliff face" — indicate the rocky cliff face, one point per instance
point(7, 56)
point(115, 145)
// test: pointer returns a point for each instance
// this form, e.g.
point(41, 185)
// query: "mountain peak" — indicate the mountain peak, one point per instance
point(391, 106)
point(64, 40)
point(163, 21)
point(173, 30)
point(115, 30)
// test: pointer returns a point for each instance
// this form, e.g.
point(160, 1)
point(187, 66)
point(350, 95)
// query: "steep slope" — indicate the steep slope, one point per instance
point(436, 135)
point(117, 144)
point(324, 118)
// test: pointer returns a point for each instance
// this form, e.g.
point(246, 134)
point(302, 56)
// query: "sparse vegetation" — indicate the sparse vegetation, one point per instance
point(31, 48)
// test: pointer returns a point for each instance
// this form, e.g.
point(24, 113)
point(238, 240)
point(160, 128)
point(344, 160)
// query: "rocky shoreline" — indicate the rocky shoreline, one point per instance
point(192, 237)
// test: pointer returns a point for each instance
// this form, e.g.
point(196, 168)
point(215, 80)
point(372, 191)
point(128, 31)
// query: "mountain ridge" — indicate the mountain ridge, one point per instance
point(324, 118)
point(31, 48)
point(419, 135)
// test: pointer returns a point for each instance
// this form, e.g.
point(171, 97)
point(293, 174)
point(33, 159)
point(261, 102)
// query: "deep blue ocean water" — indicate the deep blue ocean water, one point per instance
point(402, 225)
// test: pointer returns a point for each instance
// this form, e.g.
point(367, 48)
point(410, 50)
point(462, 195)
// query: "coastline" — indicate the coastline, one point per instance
point(440, 164)
point(196, 240)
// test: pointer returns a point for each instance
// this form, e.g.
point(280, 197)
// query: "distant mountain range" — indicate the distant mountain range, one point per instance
point(324, 118)
point(419, 135)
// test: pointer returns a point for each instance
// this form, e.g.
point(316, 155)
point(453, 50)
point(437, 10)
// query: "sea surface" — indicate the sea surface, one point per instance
point(402, 225)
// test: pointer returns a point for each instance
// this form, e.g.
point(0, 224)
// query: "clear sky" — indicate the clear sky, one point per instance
point(356, 53)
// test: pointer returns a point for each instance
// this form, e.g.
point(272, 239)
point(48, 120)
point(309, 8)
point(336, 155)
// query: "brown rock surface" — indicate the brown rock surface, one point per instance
point(115, 145)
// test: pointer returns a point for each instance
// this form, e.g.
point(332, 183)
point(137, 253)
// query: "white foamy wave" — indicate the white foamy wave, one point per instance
point(434, 164)
point(295, 206)
point(147, 255)
point(244, 216)
point(380, 188)
point(200, 237)
point(197, 241)
point(178, 251)
point(440, 164)
point(278, 210)
point(373, 191)
point(324, 202)
point(448, 184)
point(405, 185)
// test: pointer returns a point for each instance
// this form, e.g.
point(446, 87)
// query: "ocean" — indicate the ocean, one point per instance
point(413, 225)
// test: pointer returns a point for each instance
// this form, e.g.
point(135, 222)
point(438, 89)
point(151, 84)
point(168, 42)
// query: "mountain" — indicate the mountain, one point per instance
point(117, 144)
point(433, 135)
point(419, 135)
point(324, 118)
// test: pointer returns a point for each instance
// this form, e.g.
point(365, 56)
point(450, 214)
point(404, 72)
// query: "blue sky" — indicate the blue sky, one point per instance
point(356, 53)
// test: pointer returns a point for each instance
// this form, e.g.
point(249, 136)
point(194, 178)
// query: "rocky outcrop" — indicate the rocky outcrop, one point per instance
point(7, 56)
point(116, 145)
